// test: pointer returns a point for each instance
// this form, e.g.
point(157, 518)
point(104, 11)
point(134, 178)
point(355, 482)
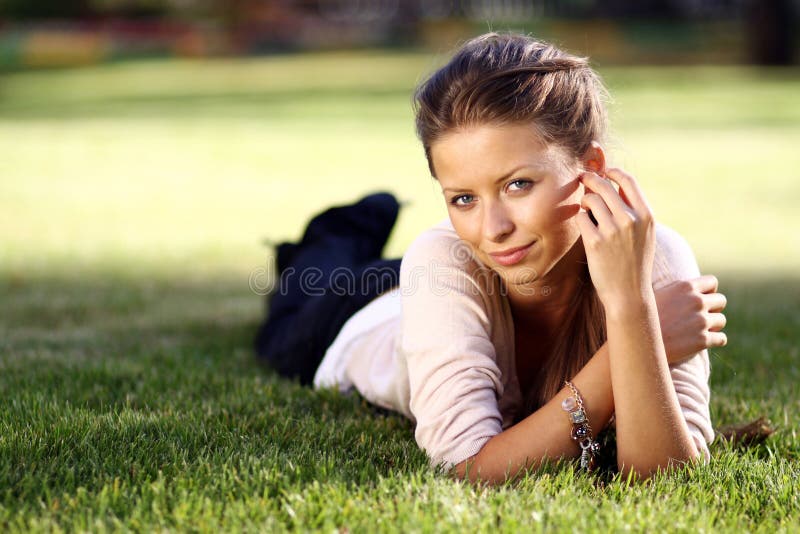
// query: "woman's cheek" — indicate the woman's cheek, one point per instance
point(564, 224)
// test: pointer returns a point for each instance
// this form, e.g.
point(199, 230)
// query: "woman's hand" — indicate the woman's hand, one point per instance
point(690, 315)
point(620, 248)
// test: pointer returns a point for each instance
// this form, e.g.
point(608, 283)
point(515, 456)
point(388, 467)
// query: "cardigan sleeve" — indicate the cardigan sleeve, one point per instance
point(675, 261)
point(454, 379)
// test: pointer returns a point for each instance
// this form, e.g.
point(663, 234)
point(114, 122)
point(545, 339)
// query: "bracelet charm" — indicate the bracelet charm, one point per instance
point(581, 429)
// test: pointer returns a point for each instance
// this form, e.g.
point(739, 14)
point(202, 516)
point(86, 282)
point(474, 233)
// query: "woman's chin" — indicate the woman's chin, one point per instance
point(518, 274)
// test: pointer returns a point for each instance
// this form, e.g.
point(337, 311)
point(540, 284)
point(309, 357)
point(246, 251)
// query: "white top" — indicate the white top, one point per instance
point(440, 348)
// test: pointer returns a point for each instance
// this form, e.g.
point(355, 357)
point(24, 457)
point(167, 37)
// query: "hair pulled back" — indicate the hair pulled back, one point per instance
point(512, 78)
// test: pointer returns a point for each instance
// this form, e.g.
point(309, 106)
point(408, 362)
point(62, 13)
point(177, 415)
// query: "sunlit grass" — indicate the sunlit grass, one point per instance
point(159, 160)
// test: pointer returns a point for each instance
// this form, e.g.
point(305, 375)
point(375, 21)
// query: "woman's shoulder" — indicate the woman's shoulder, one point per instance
point(442, 263)
point(440, 247)
point(440, 236)
point(674, 258)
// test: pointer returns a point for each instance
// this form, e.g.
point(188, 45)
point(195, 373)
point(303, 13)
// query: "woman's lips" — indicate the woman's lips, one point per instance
point(512, 255)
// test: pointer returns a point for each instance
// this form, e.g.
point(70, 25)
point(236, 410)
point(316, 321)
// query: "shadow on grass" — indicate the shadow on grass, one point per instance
point(109, 377)
point(112, 377)
point(97, 313)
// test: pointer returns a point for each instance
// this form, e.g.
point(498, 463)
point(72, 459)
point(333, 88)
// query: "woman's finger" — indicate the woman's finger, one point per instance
point(716, 322)
point(716, 339)
point(595, 203)
point(611, 197)
point(631, 190)
point(715, 302)
point(589, 231)
point(624, 197)
point(705, 284)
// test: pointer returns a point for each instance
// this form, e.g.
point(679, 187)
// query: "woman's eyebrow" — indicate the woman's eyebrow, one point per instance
point(510, 173)
point(498, 180)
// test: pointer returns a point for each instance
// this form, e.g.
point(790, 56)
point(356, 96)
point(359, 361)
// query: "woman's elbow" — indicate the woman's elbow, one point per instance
point(482, 469)
point(473, 471)
point(641, 469)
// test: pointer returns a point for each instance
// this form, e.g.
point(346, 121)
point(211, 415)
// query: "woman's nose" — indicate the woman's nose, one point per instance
point(497, 223)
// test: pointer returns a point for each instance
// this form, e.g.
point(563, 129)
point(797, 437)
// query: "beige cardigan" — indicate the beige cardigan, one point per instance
point(440, 348)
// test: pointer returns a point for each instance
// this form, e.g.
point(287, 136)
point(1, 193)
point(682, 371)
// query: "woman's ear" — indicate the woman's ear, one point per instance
point(594, 159)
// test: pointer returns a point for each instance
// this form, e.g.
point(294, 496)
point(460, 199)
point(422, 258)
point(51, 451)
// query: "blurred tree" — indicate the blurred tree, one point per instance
point(771, 31)
point(45, 9)
point(131, 8)
point(82, 9)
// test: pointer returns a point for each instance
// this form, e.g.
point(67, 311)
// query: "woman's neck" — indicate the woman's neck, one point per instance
point(544, 304)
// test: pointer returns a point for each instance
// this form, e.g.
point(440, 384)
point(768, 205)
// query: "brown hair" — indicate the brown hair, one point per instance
point(511, 78)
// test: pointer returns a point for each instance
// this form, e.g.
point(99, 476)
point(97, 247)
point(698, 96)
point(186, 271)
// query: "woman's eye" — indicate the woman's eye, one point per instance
point(461, 200)
point(520, 185)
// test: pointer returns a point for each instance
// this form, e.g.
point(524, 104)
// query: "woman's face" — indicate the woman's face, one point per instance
point(511, 197)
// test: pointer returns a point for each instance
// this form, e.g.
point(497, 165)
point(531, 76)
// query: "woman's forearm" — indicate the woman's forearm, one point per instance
point(651, 429)
point(629, 375)
point(545, 434)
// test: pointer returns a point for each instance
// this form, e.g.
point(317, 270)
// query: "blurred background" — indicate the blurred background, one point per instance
point(150, 150)
point(73, 32)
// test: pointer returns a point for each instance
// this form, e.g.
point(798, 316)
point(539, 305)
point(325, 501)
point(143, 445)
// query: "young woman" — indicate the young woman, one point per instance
point(548, 306)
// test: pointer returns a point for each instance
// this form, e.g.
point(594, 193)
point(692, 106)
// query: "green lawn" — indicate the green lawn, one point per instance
point(135, 200)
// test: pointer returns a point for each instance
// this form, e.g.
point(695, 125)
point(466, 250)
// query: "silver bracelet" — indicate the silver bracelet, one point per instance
point(581, 429)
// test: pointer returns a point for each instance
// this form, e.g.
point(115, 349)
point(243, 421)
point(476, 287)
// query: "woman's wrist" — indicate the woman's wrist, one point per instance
point(630, 305)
